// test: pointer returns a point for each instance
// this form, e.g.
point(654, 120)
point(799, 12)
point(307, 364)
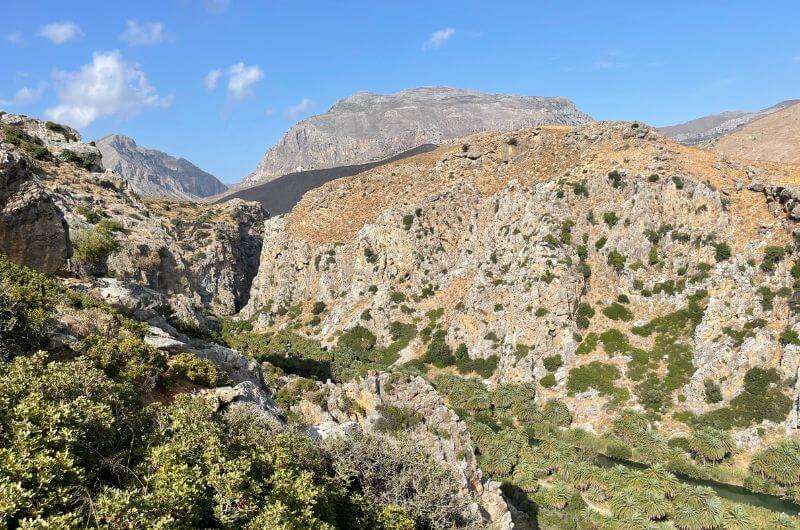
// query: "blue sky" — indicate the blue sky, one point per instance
point(145, 68)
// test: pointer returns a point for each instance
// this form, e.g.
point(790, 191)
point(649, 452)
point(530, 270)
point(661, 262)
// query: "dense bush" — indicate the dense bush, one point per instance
point(617, 311)
point(93, 246)
point(397, 473)
point(722, 251)
point(762, 399)
point(553, 362)
point(597, 375)
point(26, 298)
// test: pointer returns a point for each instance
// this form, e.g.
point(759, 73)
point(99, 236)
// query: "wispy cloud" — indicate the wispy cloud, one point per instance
point(294, 111)
point(607, 64)
point(211, 79)
point(25, 96)
point(269, 112)
point(438, 38)
point(108, 86)
point(242, 79)
point(14, 37)
point(61, 32)
point(143, 33)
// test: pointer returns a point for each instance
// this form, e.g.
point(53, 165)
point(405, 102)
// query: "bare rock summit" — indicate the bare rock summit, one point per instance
point(366, 127)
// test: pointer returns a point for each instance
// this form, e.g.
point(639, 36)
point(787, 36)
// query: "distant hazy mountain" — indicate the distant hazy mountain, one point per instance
point(153, 173)
point(774, 136)
point(715, 126)
point(367, 127)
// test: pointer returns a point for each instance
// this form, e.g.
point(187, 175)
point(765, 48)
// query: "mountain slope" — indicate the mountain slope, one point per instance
point(154, 173)
point(774, 137)
point(366, 127)
point(278, 196)
point(714, 126)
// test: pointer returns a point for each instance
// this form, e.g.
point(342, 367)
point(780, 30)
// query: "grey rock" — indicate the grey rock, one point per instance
point(366, 126)
point(154, 173)
point(250, 397)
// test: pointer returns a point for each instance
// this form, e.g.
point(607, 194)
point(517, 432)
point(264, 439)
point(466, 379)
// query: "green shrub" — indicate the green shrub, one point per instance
point(415, 489)
point(93, 246)
point(548, 381)
point(397, 297)
point(72, 157)
point(394, 419)
point(761, 399)
point(408, 220)
point(357, 338)
point(772, 255)
point(617, 311)
point(553, 362)
point(439, 353)
point(597, 375)
point(587, 345)
point(582, 316)
point(27, 299)
point(712, 392)
point(319, 308)
point(678, 182)
point(616, 261)
point(790, 336)
point(722, 252)
point(610, 218)
point(197, 370)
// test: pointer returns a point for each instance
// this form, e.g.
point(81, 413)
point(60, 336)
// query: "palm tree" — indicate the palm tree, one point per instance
point(780, 463)
point(736, 517)
point(711, 445)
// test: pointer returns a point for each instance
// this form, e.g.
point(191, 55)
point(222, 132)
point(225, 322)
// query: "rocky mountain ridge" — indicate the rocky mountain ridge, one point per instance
point(714, 126)
point(152, 173)
point(366, 127)
point(513, 304)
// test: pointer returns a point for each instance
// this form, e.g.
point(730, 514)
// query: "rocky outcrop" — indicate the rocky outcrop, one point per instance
point(549, 243)
point(358, 404)
point(60, 212)
point(366, 127)
point(154, 173)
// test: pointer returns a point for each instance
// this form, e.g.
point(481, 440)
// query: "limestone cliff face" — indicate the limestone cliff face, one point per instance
point(526, 245)
point(56, 204)
point(156, 174)
point(366, 127)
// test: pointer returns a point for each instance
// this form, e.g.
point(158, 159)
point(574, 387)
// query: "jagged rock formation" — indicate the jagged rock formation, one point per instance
point(366, 127)
point(715, 126)
point(60, 212)
point(534, 244)
point(156, 174)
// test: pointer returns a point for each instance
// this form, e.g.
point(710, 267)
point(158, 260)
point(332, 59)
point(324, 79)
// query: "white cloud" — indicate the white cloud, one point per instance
point(108, 86)
point(26, 95)
point(216, 6)
point(438, 38)
point(211, 79)
point(304, 106)
point(15, 37)
point(143, 33)
point(61, 32)
point(242, 79)
point(269, 112)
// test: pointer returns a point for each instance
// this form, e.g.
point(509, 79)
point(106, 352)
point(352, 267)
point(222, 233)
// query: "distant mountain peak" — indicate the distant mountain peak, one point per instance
point(155, 173)
point(366, 126)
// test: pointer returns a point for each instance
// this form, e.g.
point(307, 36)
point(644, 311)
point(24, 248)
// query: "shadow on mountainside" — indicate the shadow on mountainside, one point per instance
point(280, 195)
